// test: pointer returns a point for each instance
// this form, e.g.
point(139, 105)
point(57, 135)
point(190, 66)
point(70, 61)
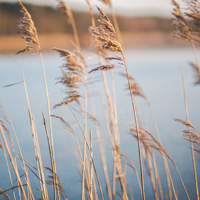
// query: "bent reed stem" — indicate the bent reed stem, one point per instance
point(136, 124)
point(191, 145)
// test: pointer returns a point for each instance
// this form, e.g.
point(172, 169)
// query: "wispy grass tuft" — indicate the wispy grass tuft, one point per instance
point(29, 32)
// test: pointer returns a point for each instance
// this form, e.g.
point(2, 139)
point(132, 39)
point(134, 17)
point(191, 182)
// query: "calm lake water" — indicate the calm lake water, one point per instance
point(159, 73)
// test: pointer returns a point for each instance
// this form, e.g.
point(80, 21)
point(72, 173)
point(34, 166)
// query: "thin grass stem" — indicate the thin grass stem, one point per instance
point(195, 54)
point(91, 166)
point(55, 185)
point(137, 128)
point(13, 163)
point(11, 182)
point(191, 145)
point(88, 150)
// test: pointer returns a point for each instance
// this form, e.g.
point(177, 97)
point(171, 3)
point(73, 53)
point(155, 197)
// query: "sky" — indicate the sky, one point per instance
point(122, 7)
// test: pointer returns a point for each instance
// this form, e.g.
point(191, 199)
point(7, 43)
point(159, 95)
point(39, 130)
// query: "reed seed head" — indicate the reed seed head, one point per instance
point(196, 72)
point(150, 143)
point(66, 10)
point(193, 13)
point(104, 68)
point(29, 32)
point(135, 87)
point(181, 26)
point(191, 134)
point(187, 24)
point(71, 61)
point(106, 34)
point(72, 71)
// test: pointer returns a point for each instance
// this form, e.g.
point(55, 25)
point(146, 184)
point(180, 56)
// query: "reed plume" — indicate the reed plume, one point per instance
point(180, 23)
point(104, 68)
point(106, 34)
point(29, 32)
point(187, 24)
point(73, 71)
point(66, 10)
point(150, 142)
point(196, 72)
point(59, 182)
point(191, 135)
point(136, 88)
point(194, 17)
point(114, 17)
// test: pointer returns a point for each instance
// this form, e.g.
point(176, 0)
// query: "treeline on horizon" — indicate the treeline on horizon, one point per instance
point(51, 20)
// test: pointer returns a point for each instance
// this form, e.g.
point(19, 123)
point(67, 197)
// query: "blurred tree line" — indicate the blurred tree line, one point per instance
point(51, 20)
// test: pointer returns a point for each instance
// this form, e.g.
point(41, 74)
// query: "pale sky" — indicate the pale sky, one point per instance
point(128, 7)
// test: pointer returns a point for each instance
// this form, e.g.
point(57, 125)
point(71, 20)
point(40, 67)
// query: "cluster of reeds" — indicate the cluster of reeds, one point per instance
point(106, 40)
point(187, 26)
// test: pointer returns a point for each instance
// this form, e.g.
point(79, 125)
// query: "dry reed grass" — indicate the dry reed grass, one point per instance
point(106, 38)
point(191, 135)
point(106, 34)
point(73, 71)
point(29, 34)
point(196, 72)
point(187, 25)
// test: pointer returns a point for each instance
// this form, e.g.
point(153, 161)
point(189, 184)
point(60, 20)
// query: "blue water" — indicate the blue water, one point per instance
point(158, 70)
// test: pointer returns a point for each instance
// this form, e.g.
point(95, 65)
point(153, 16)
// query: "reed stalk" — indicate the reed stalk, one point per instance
point(167, 171)
point(29, 34)
point(136, 124)
point(13, 163)
point(191, 145)
point(196, 58)
point(55, 185)
point(115, 147)
point(102, 153)
point(157, 177)
point(70, 18)
point(111, 71)
point(137, 90)
point(89, 151)
point(187, 24)
point(9, 173)
point(153, 182)
point(91, 166)
point(29, 190)
point(38, 158)
point(107, 38)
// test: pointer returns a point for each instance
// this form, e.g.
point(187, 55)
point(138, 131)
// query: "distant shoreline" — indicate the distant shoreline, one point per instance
point(14, 43)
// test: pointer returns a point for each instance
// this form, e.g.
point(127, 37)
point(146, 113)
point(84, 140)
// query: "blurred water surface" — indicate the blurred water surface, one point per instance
point(158, 71)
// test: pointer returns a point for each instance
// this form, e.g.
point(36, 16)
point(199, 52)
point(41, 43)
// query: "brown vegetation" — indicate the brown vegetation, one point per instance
point(106, 39)
point(52, 26)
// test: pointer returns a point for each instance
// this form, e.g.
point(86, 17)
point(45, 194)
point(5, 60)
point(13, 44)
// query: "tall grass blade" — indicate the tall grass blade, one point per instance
point(29, 34)
point(191, 144)
point(13, 163)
